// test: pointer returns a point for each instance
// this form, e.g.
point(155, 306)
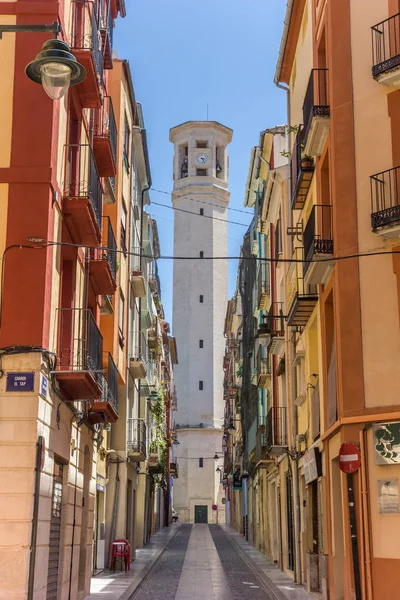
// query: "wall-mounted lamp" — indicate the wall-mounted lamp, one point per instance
point(55, 67)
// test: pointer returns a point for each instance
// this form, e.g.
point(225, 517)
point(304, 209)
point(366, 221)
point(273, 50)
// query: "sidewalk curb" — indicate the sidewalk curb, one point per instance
point(128, 593)
point(268, 583)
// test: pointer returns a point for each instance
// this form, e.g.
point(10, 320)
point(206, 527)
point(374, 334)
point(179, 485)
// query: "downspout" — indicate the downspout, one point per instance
point(35, 516)
point(365, 511)
point(73, 528)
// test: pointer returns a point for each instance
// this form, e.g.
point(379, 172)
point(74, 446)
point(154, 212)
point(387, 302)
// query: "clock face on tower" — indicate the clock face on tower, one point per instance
point(202, 158)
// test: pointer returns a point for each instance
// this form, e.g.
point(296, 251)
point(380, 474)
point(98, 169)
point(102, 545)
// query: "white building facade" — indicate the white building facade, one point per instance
point(200, 198)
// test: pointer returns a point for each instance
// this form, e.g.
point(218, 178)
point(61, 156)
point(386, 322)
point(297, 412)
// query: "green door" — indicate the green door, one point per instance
point(200, 514)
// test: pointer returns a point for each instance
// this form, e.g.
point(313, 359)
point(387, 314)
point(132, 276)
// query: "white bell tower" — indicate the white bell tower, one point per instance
point(200, 198)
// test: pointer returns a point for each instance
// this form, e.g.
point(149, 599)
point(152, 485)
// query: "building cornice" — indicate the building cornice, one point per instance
point(287, 51)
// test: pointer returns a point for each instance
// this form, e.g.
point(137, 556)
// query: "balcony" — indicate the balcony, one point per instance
point(263, 367)
point(318, 245)
point(106, 22)
point(261, 441)
point(302, 298)
point(138, 272)
point(105, 410)
point(153, 463)
point(386, 51)
point(385, 203)
point(79, 370)
point(174, 469)
point(86, 47)
point(106, 307)
point(276, 440)
point(103, 264)
point(105, 139)
point(82, 195)
point(316, 113)
point(136, 440)
point(302, 170)
point(263, 287)
point(276, 327)
point(138, 360)
point(109, 190)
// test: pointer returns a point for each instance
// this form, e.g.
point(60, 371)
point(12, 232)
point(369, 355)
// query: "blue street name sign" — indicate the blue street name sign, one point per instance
point(20, 382)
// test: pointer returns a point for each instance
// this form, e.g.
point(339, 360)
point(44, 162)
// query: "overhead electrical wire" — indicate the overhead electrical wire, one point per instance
point(240, 210)
point(199, 215)
point(42, 244)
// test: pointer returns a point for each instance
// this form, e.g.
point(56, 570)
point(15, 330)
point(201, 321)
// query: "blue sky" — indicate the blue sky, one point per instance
point(185, 54)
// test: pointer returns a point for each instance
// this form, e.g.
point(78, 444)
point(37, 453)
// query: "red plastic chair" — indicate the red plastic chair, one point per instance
point(120, 549)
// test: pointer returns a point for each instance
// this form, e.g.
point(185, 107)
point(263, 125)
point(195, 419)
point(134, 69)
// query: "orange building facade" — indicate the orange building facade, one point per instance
point(343, 121)
point(74, 341)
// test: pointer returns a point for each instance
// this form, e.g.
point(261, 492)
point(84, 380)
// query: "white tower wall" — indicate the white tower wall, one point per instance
point(200, 412)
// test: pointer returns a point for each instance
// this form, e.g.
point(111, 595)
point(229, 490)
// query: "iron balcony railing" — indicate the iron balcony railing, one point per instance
point(301, 170)
point(316, 103)
point(108, 251)
point(263, 362)
point(276, 427)
point(136, 436)
point(317, 235)
point(386, 45)
point(82, 177)
point(107, 25)
point(80, 345)
point(86, 34)
point(276, 319)
point(105, 124)
point(263, 281)
point(385, 198)
point(112, 383)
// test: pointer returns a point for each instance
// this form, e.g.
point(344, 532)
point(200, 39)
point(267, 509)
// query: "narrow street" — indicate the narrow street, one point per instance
point(202, 562)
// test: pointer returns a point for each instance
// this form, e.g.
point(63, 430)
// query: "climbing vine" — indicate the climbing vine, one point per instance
point(159, 443)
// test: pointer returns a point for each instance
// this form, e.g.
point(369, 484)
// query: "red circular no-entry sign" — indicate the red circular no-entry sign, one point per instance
point(349, 457)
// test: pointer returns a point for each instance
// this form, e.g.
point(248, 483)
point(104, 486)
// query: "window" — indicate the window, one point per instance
point(121, 318)
point(200, 463)
point(127, 137)
point(202, 212)
point(201, 172)
point(202, 144)
point(201, 253)
point(201, 386)
point(201, 343)
point(123, 228)
point(201, 298)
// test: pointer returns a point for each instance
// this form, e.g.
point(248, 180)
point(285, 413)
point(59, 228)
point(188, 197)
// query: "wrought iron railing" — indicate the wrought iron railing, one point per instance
point(276, 320)
point(300, 166)
point(385, 198)
point(263, 362)
point(82, 178)
point(317, 235)
point(108, 251)
point(80, 345)
point(86, 35)
point(386, 45)
point(112, 382)
point(316, 102)
point(106, 24)
point(263, 280)
point(105, 124)
point(136, 436)
point(276, 427)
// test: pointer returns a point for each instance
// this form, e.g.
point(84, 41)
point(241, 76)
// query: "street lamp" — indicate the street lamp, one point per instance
point(55, 67)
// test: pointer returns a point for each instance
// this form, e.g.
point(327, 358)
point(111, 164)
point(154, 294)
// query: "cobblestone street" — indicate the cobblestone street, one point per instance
point(202, 563)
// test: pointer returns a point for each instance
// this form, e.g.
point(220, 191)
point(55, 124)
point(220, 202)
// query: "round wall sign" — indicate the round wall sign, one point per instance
point(214, 507)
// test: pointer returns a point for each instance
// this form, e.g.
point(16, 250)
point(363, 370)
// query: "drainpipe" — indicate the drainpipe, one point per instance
point(365, 511)
point(73, 526)
point(32, 562)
